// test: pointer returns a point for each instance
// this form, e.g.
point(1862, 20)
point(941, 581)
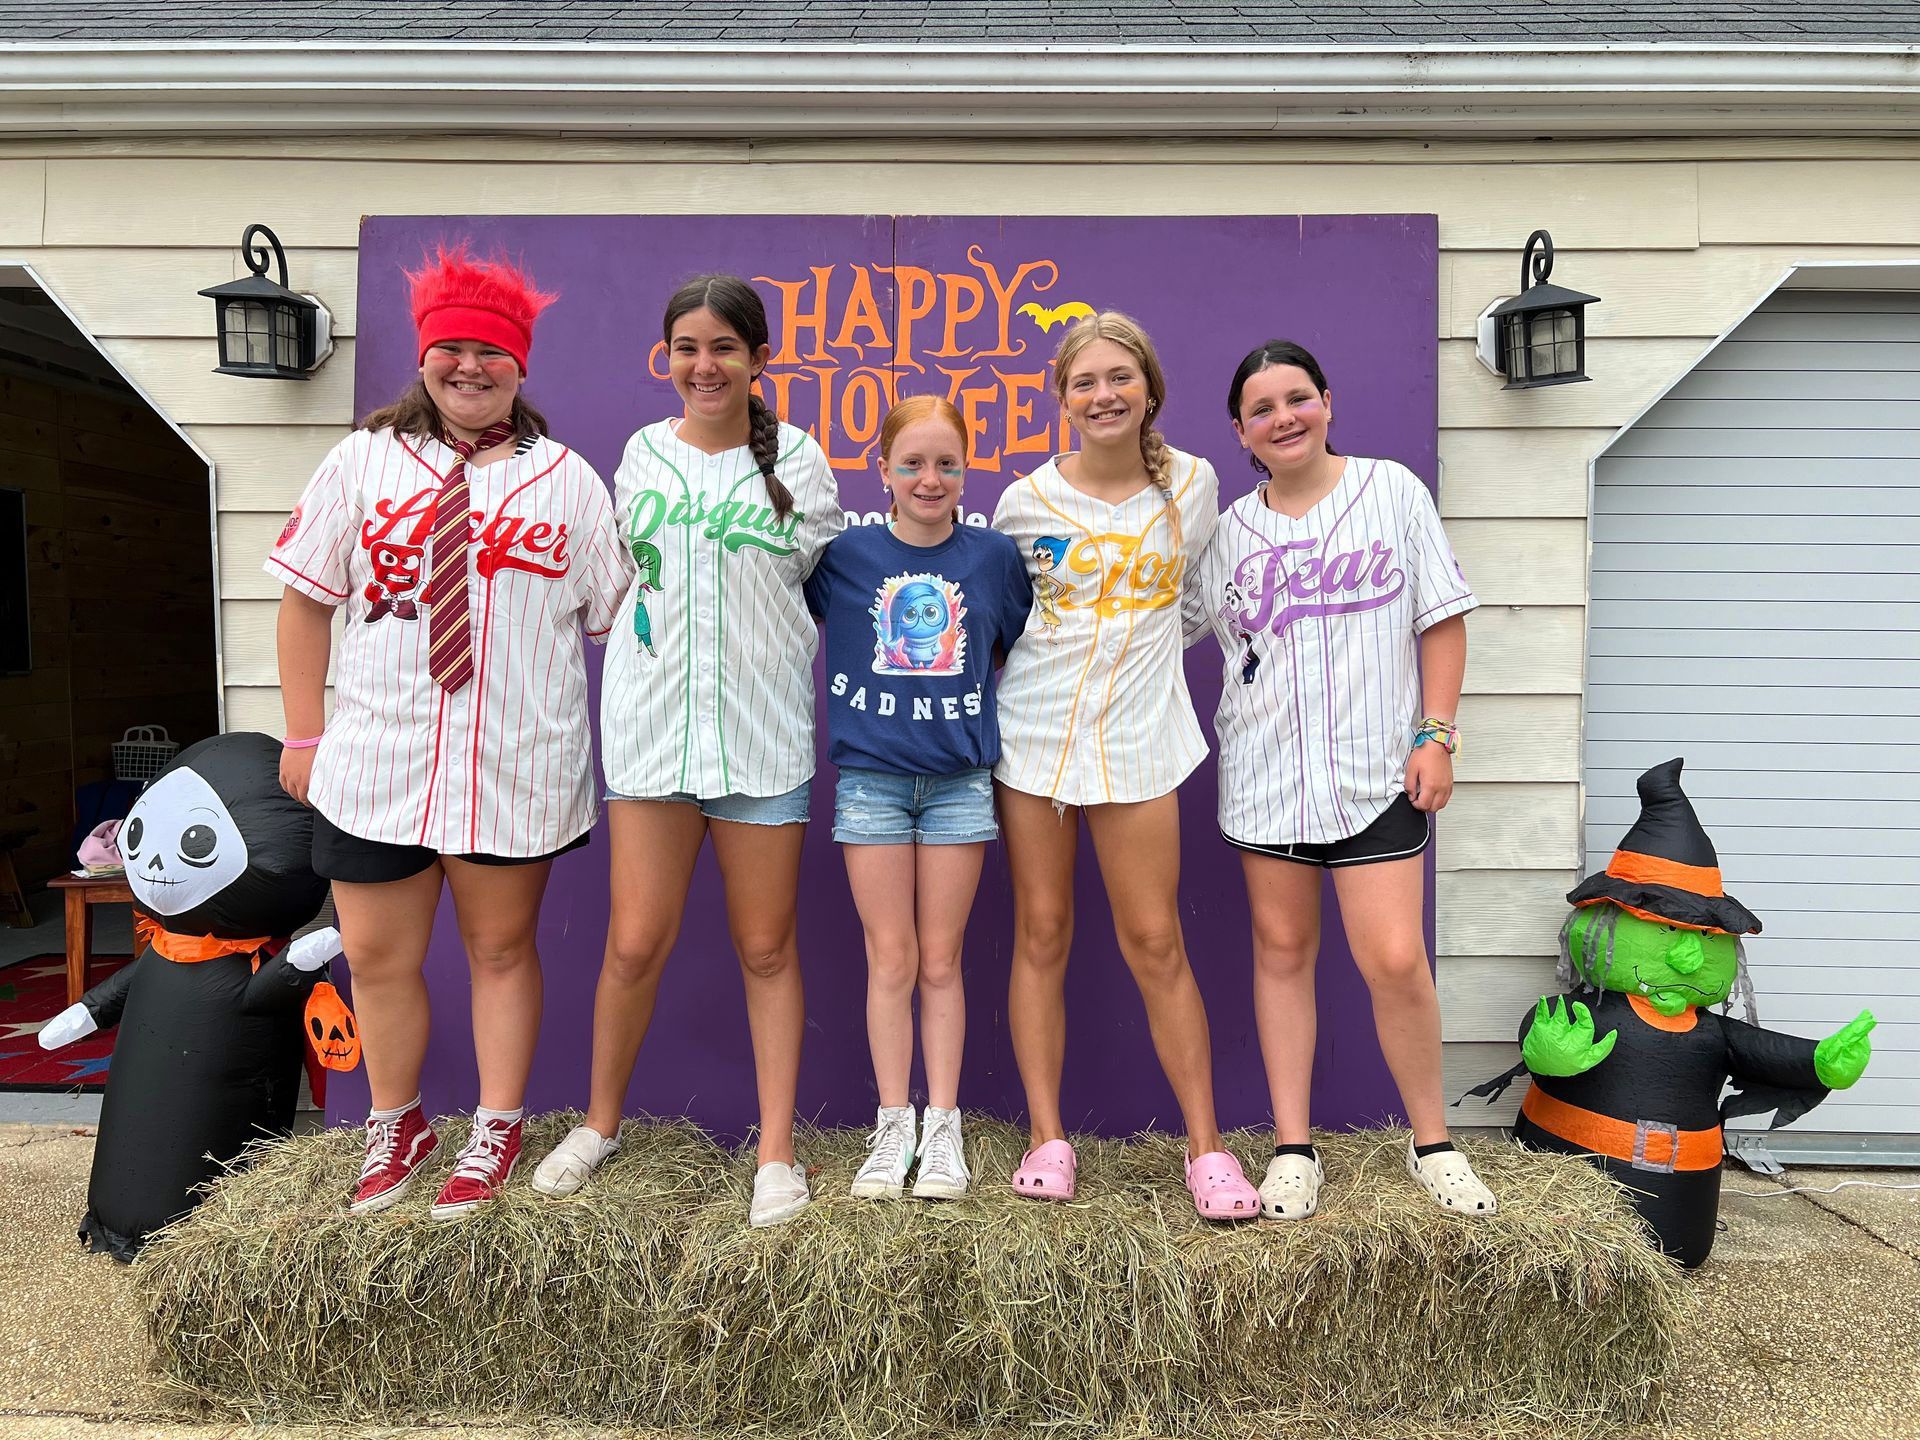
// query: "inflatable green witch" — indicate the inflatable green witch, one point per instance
point(1628, 1068)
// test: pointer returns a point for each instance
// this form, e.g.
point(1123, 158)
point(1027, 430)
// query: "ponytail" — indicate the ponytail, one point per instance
point(763, 438)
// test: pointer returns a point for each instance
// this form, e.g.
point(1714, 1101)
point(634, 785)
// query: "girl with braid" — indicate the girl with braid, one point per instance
point(706, 715)
point(1096, 719)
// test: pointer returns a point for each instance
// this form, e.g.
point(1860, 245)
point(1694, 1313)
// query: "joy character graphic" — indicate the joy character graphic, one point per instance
point(647, 557)
point(1231, 611)
point(396, 574)
point(916, 627)
point(1048, 588)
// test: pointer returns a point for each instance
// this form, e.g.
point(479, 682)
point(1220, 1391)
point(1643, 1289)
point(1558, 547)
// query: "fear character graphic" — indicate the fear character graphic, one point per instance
point(1231, 611)
point(1048, 588)
point(396, 574)
point(917, 629)
point(647, 558)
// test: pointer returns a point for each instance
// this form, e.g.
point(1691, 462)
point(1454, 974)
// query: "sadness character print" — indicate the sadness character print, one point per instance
point(396, 574)
point(1048, 589)
point(917, 629)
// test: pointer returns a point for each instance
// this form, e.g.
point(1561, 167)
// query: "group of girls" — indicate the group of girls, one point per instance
point(1006, 682)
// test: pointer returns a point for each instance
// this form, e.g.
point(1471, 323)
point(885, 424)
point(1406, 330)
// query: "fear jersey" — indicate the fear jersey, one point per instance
point(1317, 619)
point(709, 679)
point(1093, 700)
point(504, 765)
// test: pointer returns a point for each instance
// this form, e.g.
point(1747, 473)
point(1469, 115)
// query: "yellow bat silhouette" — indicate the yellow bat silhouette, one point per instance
point(1046, 319)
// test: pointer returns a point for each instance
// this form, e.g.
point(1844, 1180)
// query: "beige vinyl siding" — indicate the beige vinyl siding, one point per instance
point(1678, 237)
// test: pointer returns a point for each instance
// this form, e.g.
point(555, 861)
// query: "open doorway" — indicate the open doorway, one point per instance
point(107, 625)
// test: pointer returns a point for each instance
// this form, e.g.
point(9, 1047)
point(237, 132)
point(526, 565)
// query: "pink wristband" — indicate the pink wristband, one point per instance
point(300, 744)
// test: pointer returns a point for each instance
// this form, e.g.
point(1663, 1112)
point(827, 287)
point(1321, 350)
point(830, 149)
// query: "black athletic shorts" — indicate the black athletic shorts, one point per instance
point(1400, 831)
point(340, 856)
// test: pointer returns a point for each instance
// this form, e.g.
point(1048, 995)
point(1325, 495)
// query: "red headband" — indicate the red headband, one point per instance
point(491, 301)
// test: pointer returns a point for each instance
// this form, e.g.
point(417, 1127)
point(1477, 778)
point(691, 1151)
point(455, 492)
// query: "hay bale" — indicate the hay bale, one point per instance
point(647, 1300)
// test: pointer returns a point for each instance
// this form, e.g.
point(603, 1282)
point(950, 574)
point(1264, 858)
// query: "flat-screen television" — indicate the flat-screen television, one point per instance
point(16, 627)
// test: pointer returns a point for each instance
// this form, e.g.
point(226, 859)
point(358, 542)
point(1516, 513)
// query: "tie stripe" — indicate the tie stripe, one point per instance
point(449, 607)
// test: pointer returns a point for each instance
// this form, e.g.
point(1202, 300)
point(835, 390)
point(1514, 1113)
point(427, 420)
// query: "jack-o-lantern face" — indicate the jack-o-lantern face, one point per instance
point(330, 1029)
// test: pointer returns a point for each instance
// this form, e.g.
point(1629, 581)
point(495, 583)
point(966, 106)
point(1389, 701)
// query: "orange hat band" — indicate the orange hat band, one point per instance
point(1652, 870)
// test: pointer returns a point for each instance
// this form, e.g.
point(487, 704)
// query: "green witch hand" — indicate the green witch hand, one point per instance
point(1557, 1044)
point(1840, 1059)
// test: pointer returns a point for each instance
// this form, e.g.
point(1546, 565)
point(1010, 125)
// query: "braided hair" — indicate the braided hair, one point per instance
point(1124, 331)
point(737, 305)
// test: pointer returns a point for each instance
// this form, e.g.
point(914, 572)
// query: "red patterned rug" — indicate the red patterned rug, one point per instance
point(32, 993)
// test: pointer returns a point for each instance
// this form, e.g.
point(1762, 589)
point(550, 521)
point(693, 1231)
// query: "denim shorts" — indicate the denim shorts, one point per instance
point(875, 807)
point(787, 809)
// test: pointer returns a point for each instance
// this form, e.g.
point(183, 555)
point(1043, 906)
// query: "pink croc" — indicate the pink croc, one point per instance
point(1046, 1172)
point(1220, 1188)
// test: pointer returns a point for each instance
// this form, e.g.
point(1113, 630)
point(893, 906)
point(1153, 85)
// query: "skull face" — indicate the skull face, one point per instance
point(180, 844)
point(396, 567)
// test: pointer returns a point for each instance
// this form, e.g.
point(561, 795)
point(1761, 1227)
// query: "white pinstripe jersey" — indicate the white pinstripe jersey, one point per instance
point(504, 765)
point(1317, 619)
point(1093, 700)
point(709, 679)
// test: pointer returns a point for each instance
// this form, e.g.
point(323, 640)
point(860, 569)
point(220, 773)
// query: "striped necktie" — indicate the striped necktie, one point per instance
point(449, 621)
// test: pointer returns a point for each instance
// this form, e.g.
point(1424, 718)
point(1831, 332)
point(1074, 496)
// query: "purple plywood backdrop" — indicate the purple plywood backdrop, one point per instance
point(864, 308)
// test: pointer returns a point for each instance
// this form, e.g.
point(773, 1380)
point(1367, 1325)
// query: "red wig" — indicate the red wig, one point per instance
point(492, 301)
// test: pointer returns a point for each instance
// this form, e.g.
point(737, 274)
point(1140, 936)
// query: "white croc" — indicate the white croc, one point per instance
point(779, 1193)
point(1450, 1180)
point(569, 1163)
point(1291, 1189)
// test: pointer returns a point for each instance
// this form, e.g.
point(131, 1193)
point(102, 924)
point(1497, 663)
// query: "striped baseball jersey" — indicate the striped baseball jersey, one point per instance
point(708, 686)
point(503, 765)
point(1317, 619)
point(1093, 700)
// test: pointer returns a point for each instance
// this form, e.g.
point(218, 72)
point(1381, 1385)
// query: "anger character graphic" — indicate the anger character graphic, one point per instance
point(396, 575)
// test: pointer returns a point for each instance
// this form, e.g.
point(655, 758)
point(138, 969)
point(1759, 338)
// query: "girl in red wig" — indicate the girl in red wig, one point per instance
point(469, 551)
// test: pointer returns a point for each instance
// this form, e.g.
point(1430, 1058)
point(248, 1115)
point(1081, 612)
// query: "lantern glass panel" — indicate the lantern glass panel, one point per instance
point(286, 338)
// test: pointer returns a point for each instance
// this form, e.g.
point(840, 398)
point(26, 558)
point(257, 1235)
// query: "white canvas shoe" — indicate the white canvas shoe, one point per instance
point(779, 1193)
point(1291, 1189)
point(569, 1163)
point(1449, 1179)
point(943, 1158)
point(892, 1144)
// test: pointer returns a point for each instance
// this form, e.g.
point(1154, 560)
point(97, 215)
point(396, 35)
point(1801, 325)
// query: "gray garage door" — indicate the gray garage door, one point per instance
point(1756, 608)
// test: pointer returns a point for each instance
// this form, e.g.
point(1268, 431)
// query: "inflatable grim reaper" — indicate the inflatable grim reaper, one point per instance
point(218, 1012)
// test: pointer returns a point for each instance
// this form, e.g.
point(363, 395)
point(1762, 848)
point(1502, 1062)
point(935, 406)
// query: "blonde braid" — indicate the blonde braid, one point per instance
point(1156, 456)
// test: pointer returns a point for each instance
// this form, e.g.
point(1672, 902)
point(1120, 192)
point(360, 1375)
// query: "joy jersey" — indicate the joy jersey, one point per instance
point(911, 636)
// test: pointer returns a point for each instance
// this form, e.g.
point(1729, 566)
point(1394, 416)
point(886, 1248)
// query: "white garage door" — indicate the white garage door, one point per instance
point(1756, 608)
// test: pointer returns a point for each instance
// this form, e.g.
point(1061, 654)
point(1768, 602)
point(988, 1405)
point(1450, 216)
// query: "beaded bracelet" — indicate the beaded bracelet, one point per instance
point(1441, 732)
point(308, 744)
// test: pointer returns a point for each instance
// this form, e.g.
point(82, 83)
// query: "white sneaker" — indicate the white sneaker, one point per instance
point(892, 1144)
point(1291, 1189)
point(1450, 1180)
point(779, 1193)
point(943, 1158)
point(569, 1163)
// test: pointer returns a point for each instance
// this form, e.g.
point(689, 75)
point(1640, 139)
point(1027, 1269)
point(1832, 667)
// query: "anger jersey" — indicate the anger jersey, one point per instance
point(709, 678)
point(1093, 700)
point(1317, 619)
point(504, 765)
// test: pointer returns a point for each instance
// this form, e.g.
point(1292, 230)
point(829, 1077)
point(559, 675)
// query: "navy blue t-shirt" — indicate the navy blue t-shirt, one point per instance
point(911, 632)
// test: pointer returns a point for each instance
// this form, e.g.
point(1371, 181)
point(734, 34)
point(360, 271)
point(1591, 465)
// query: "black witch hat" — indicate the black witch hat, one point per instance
point(1666, 868)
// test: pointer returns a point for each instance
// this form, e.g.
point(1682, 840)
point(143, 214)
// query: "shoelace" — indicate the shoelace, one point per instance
point(940, 1147)
point(480, 1156)
point(886, 1142)
point(383, 1141)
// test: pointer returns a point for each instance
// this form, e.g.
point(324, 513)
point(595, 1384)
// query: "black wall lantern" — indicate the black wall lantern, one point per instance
point(267, 332)
point(1539, 337)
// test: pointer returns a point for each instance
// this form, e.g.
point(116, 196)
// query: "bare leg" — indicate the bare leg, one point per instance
point(761, 867)
point(654, 845)
point(1285, 900)
point(384, 931)
point(881, 877)
point(1040, 852)
point(949, 876)
point(1380, 905)
point(498, 907)
point(1139, 850)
